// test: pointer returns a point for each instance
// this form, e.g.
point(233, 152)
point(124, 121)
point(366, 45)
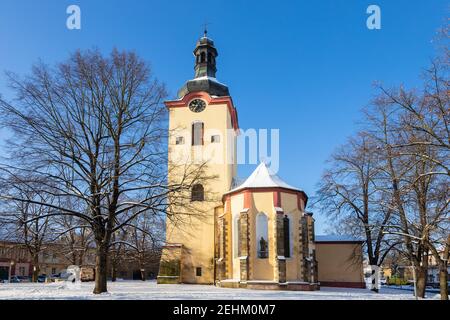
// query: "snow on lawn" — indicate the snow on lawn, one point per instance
point(149, 290)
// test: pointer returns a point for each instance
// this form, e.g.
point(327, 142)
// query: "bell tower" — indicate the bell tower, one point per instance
point(205, 57)
point(203, 127)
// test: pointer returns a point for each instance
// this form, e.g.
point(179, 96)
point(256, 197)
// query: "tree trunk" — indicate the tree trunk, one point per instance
point(443, 278)
point(421, 281)
point(35, 274)
point(374, 278)
point(101, 270)
point(143, 278)
point(113, 272)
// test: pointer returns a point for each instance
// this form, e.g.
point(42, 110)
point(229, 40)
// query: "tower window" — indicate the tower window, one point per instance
point(198, 193)
point(198, 271)
point(179, 140)
point(197, 133)
point(209, 57)
point(215, 139)
point(202, 57)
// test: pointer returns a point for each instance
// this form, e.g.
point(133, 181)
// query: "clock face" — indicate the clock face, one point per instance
point(197, 105)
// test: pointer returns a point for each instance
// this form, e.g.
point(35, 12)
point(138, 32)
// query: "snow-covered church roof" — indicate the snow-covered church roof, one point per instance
point(262, 177)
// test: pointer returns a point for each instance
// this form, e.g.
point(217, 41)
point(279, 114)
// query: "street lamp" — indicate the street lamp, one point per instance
point(11, 264)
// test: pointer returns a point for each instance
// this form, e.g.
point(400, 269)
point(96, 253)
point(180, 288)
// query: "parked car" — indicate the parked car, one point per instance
point(24, 279)
point(15, 279)
point(434, 285)
point(59, 277)
point(42, 278)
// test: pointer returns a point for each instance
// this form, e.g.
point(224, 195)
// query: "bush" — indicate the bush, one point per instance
point(397, 281)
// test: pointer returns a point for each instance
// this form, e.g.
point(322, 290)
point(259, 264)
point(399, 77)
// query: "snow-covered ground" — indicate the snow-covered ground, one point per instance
point(149, 290)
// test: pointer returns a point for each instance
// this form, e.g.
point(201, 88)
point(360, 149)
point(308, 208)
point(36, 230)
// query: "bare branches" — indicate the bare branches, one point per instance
point(390, 182)
point(349, 190)
point(93, 129)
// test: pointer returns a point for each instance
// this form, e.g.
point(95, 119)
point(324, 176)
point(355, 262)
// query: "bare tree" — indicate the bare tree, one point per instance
point(348, 191)
point(418, 191)
point(426, 112)
point(28, 222)
point(420, 121)
point(117, 251)
point(75, 239)
point(95, 127)
point(146, 236)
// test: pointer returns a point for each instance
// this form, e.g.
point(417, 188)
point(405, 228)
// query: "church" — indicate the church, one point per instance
point(256, 233)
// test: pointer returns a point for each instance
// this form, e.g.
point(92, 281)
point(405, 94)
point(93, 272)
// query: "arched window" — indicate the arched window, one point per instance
point(288, 236)
point(209, 57)
point(198, 193)
point(262, 236)
point(202, 57)
point(197, 133)
point(236, 238)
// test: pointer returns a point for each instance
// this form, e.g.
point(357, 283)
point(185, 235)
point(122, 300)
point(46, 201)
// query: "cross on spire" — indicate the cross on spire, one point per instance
point(205, 29)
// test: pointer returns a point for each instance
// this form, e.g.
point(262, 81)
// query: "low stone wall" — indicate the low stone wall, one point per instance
point(168, 280)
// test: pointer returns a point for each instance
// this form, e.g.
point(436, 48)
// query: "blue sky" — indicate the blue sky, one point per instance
point(304, 67)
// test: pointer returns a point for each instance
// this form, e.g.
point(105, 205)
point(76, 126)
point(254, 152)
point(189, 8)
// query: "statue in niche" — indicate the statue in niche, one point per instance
point(262, 248)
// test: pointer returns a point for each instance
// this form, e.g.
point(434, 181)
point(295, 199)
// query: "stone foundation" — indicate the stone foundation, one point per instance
point(168, 280)
point(170, 265)
point(343, 284)
point(269, 285)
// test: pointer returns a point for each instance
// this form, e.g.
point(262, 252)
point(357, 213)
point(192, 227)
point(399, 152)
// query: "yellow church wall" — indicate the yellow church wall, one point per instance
point(266, 269)
point(237, 204)
point(263, 269)
point(290, 207)
point(197, 236)
point(230, 151)
point(289, 202)
point(198, 248)
point(216, 121)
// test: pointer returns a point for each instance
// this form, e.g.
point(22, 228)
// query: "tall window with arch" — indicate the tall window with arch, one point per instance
point(262, 235)
point(198, 128)
point(236, 237)
point(288, 240)
point(197, 193)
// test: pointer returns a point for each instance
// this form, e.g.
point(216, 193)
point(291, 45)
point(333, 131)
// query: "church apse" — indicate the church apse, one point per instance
point(269, 251)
